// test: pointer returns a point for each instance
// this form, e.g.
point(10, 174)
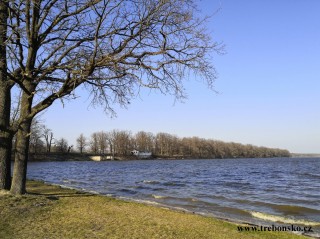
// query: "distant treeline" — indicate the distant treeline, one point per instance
point(170, 146)
point(163, 145)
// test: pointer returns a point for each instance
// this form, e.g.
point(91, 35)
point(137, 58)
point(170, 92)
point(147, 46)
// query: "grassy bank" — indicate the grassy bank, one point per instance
point(53, 212)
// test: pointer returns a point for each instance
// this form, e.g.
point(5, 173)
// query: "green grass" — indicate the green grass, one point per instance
point(53, 212)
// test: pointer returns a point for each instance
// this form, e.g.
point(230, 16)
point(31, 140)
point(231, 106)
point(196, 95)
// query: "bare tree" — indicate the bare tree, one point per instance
point(94, 143)
point(36, 144)
point(164, 143)
point(48, 136)
point(113, 48)
point(61, 145)
point(102, 142)
point(81, 142)
point(124, 142)
point(144, 141)
point(110, 140)
point(121, 140)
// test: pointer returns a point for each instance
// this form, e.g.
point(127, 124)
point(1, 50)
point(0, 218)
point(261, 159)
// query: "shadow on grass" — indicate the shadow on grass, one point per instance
point(53, 192)
point(58, 195)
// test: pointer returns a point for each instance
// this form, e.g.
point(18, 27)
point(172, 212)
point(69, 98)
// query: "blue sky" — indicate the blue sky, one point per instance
point(268, 86)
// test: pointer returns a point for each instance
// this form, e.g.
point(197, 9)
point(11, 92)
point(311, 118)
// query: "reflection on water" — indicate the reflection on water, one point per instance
point(254, 190)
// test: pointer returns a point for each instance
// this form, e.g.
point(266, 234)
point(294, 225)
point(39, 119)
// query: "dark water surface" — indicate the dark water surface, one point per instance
point(260, 191)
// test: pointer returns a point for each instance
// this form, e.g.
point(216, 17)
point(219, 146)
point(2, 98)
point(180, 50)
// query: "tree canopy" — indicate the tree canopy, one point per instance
point(112, 48)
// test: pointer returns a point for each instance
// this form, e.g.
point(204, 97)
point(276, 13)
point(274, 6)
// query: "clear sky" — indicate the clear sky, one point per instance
point(268, 86)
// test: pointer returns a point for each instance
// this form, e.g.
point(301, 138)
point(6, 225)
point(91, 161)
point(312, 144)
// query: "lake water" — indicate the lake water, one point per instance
point(259, 191)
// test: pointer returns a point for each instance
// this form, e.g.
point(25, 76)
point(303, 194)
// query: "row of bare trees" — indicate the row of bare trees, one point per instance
point(121, 142)
point(49, 48)
point(42, 140)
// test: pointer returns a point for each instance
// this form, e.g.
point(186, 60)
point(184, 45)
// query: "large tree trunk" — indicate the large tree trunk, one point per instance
point(18, 186)
point(5, 103)
point(5, 137)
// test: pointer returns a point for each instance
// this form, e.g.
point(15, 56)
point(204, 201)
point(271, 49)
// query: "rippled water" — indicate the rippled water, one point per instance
point(261, 191)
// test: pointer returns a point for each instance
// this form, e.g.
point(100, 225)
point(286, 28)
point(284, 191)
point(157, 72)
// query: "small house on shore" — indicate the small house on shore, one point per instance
point(141, 154)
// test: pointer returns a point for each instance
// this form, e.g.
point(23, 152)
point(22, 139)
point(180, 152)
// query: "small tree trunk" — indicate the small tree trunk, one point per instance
point(18, 186)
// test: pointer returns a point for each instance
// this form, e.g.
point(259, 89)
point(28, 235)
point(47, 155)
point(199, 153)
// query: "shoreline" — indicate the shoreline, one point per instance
point(234, 221)
point(72, 156)
point(70, 213)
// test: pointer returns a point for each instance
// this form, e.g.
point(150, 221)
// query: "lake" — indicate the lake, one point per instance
point(263, 191)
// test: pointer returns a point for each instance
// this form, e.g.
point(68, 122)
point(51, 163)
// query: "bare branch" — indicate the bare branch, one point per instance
point(113, 48)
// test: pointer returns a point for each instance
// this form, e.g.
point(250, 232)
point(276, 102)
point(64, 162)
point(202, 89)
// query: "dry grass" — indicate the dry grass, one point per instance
point(53, 212)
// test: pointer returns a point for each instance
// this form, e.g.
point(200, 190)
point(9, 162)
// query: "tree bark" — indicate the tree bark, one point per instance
point(18, 186)
point(5, 104)
point(5, 137)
